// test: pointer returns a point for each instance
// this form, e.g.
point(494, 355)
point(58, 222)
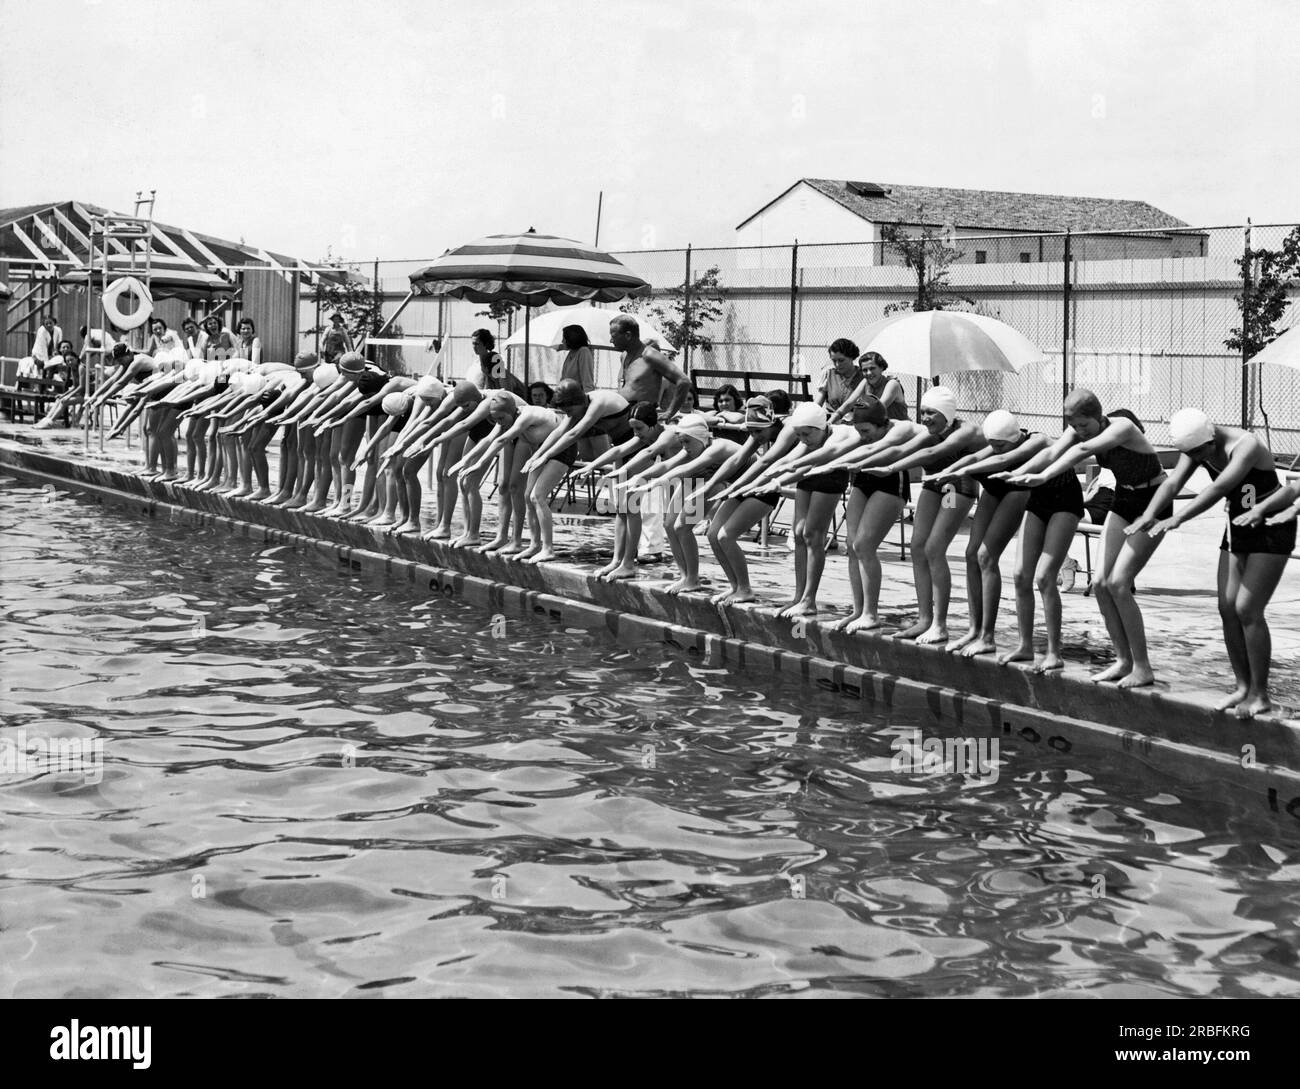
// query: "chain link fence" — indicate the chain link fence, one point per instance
point(1141, 318)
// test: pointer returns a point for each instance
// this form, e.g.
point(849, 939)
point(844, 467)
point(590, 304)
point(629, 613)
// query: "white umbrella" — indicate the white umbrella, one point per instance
point(935, 342)
point(547, 331)
point(1285, 351)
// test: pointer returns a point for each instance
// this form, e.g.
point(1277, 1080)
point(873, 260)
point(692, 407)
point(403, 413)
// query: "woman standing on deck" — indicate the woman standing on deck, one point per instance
point(1252, 557)
point(163, 343)
point(250, 344)
point(1119, 445)
point(335, 343)
point(940, 510)
point(875, 383)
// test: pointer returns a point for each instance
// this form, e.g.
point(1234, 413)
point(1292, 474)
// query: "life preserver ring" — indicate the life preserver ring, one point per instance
point(112, 303)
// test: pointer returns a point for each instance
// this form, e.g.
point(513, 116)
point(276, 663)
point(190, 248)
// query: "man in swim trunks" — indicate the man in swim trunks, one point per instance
point(645, 370)
point(1251, 557)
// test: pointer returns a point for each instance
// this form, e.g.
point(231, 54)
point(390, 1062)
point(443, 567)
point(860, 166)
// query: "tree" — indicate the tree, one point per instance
point(670, 313)
point(348, 295)
point(928, 256)
point(500, 310)
point(1270, 273)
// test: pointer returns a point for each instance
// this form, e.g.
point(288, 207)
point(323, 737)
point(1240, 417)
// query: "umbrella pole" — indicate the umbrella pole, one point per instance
point(528, 311)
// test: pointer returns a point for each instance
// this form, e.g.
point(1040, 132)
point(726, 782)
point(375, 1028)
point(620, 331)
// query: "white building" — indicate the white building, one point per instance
point(821, 210)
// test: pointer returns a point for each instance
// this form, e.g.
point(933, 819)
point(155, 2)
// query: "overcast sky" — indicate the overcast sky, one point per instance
point(398, 128)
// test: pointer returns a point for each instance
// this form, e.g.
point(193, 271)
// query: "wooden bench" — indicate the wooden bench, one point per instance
point(39, 393)
point(794, 384)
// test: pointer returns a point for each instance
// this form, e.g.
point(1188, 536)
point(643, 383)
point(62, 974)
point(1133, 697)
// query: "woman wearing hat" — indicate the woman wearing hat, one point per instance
point(818, 488)
point(766, 420)
point(875, 504)
point(1118, 443)
point(336, 342)
point(1252, 557)
point(940, 509)
point(998, 515)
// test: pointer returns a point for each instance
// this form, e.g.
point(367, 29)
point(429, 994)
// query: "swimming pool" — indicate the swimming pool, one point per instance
point(312, 785)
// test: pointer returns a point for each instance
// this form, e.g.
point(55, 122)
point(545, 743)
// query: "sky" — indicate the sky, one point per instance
point(398, 128)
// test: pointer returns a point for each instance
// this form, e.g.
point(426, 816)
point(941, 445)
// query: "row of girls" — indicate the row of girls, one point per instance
point(338, 420)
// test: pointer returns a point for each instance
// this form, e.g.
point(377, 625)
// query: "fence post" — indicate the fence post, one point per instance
point(1065, 321)
point(686, 314)
point(1245, 328)
point(794, 301)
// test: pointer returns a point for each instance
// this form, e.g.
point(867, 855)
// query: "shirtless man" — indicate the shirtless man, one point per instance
point(646, 369)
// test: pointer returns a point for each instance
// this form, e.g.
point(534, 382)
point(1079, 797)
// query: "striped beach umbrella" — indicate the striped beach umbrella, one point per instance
point(530, 269)
point(935, 342)
point(4, 290)
point(169, 277)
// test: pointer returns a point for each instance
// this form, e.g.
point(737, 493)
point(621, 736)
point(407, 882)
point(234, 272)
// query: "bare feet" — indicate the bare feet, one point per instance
point(1139, 678)
point(441, 533)
point(1021, 653)
point(542, 556)
point(1112, 673)
point(529, 552)
point(495, 545)
point(1256, 705)
point(298, 502)
point(935, 635)
point(979, 646)
point(383, 521)
point(512, 549)
point(623, 571)
point(1233, 698)
point(864, 623)
point(966, 640)
point(801, 608)
point(843, 624)
point(1049, 663)
point(921, 626)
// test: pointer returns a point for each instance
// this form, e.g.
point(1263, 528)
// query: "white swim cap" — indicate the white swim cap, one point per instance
point(1190, 428)
point(430, 390)
point(694, 426)
point(942, 400)
point(397, 402)
point(809, 415)
point(193, 370)
point(254, 384)
point(1001, 426)
point(210, 370)
point(325, 376)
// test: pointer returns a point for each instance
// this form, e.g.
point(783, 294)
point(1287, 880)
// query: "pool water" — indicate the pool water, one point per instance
point(320, 782)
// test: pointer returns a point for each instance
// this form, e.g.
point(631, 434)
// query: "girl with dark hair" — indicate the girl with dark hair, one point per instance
point(492, 372)
point(875, 383)
point(250, 345)
point(579, 364)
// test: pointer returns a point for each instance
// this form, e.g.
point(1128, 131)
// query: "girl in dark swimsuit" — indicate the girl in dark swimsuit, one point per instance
point(1251, 558)
point(1118, 444)
point(737, 514)
point(998, 515)
point(940, 508)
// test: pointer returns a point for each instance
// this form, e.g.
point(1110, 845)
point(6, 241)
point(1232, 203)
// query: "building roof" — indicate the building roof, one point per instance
point(58, 230)
point(922, 205)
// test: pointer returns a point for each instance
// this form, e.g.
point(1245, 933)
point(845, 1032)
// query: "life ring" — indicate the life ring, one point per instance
point(112, 303)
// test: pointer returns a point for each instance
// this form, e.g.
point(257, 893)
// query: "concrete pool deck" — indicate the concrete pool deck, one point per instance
point(1177, 594)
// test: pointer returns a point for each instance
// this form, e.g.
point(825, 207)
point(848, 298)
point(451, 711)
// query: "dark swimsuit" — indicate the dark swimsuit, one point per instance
point(1000, 489)
point(1060, 495)
point(615, 425)
point(895, 484)
point(963, 485)
point(1137, 476)
point(830, 483)
point(896, 410)
point(1245, 540)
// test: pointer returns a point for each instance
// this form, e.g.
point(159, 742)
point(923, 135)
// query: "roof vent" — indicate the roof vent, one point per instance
point(867, 189)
